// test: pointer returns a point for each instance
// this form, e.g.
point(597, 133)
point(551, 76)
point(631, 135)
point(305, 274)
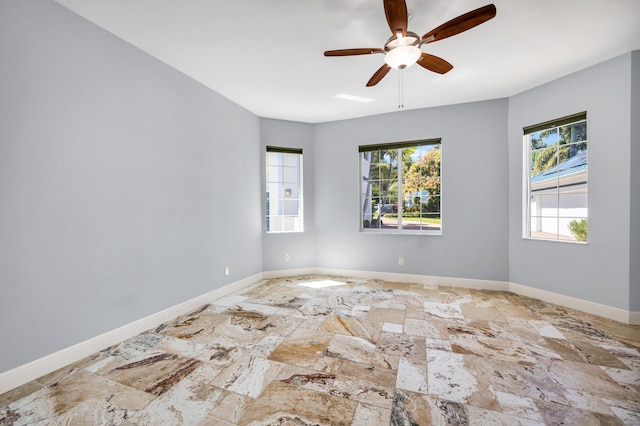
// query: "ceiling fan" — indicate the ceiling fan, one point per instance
point(403, 48)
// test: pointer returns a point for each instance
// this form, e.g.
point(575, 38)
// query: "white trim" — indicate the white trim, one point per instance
point(594, 308)
point(25, 373)
point(281, 273)
point(418, 279)
point(45, 365)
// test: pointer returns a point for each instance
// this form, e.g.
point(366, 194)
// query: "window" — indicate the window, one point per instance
point(284, 190)
point(400, 187)
point(556, 179)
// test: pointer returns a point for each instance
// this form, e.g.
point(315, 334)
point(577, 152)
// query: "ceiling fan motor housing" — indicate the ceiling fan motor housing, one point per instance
point(402, 52)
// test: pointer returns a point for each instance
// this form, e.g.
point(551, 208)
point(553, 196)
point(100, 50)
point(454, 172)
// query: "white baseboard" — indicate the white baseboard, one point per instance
point(45, 365)
point(25, 373)
point(418, 279)
point(604, 311)
point(281, 273)
point(594, 308)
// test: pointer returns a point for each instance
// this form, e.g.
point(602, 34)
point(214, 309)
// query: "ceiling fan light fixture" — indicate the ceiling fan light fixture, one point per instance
point(402, 57)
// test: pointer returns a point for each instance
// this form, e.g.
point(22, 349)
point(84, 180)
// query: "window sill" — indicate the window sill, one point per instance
point(397, 232)
point(581, 243)
point(283, 232)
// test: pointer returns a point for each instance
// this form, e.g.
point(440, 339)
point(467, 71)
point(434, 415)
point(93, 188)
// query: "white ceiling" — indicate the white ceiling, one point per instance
point(267, 55)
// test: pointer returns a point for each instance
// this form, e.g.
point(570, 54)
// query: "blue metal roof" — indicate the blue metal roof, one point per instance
point(575, 164)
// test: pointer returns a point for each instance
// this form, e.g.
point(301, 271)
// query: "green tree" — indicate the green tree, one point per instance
point(424, 175)
point(579, 229)
point(545, 159)
point(384, 172)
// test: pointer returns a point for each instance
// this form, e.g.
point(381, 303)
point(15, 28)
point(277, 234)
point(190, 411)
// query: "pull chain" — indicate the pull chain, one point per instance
point(401, 88)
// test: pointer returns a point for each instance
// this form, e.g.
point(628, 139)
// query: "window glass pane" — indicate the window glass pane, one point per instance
point(290, 175)
point(366, 163)
point(431, 221)
point(385, 156)
point(545, 138)
point(275, 223)
point(544, 227)
point(544, 204)
point(557, 181)
point(273, 174)
point(274, 206)
point(544, 161)
point(283, 192)
point(572, 202)
point(407, 178)
point(291, 160)
point(573, 132)
point(290, 207)
point(274, 157)
point(290, 223)
point(389, 221)
point(573, 159)
point(431, 204)
point(573, 228)
point(273, 190)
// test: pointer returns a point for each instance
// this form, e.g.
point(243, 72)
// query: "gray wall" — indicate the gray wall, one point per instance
point(299, 245)
point(115, 200)
point(634, 290)
point(597, 271)
point(474, 193)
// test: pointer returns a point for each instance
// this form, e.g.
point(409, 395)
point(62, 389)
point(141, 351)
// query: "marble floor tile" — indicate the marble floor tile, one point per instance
point(284, 404)
point(411, 409)
point(392, 328)
point(558, 414)
point(402, 345)
point(518, 406)
point(389, 315)
point(80, 398)
point(303, 347)
point(412, 375)
point(196, 327)
point(155, 374)
point(368, 415)
point(480, 416)
point(450, 377)
point(352, 348)
point(365, 384)
point(472, 311)
point(248, 375)
point(188, 402)
point(352, 325)
point(228, 410)
point(443, 311)
point(322, 350)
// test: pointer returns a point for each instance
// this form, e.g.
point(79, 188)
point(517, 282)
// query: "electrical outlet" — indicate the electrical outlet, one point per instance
point(226, 271)
point(401, 261)
point(287, 257)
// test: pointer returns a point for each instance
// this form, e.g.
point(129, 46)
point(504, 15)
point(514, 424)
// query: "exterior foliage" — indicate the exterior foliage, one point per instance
point(424, 175)
point(579, 229)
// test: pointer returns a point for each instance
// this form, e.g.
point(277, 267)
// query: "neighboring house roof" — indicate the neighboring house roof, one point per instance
point(574, 165)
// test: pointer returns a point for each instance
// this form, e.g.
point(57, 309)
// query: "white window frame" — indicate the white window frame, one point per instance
point(527, 188)
point(364, 198)
point(290, 221)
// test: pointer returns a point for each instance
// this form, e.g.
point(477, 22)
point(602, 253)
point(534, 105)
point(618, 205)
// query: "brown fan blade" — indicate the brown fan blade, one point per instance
point(378, 75)
point(460, 24)
point(352, 52)
point(397, 17)
point(433, 63)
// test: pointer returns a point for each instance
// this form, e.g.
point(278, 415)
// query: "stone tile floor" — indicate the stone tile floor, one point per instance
point(318, 350)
